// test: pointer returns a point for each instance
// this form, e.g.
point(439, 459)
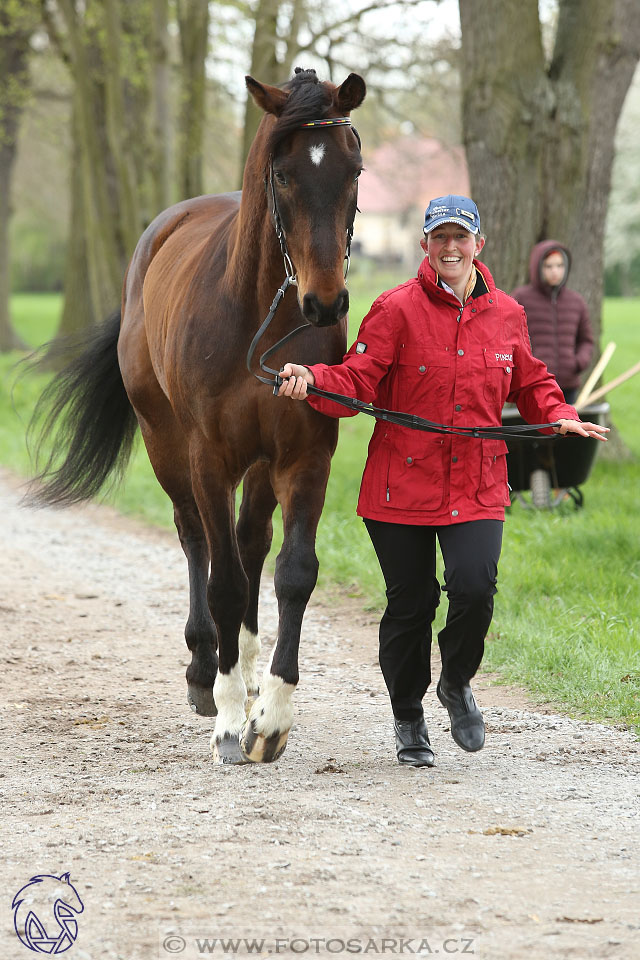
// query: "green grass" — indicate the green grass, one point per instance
point(567, 613)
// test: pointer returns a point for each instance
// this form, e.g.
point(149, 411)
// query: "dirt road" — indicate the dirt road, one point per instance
point(526, 850)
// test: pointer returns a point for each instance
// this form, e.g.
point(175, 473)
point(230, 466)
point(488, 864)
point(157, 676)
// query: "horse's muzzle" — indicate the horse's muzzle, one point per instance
point(323, 315)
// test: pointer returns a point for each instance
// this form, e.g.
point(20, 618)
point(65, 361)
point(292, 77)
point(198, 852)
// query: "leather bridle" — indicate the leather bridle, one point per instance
point(521, 431)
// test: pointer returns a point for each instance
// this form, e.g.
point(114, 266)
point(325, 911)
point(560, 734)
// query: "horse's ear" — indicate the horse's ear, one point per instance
point(270, 99)
point(351, 93)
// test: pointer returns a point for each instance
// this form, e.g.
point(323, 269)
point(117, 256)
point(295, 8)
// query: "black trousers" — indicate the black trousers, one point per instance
point(407, 556)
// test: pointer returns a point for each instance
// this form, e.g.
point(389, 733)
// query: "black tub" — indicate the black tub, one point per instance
point(562, 465)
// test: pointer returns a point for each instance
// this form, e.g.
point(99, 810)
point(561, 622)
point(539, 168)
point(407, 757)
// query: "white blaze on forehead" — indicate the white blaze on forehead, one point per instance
point(316, 152)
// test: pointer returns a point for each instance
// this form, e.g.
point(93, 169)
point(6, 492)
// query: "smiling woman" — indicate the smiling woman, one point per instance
point(446, 346)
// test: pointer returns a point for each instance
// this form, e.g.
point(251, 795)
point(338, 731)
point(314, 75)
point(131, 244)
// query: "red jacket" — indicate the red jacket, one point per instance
point(558, 320)
point(420, 351)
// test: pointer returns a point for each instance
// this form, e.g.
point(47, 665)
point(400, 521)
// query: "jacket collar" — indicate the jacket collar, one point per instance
point(432, 283)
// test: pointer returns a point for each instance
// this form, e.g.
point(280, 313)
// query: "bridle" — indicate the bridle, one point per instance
point(269, 183)
point(521, 431)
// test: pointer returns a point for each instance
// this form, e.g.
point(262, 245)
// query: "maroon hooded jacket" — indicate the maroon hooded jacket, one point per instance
point(558, 320)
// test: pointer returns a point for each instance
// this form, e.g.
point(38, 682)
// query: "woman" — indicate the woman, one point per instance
point(452, 348)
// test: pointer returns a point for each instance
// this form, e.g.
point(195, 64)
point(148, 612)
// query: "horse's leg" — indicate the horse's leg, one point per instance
point(170, 462)
point(254, 531)
point(227, 596)
point(300, 493)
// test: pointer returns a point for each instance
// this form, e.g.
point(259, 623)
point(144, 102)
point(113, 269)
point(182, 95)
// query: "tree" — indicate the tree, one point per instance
point(193, 21)
point(307, 33)
point(108, 46)
point(18, 19)
point(539, 130)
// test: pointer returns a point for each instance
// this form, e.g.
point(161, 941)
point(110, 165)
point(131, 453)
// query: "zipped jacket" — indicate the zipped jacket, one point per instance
point(558, 319)
point(421, 351)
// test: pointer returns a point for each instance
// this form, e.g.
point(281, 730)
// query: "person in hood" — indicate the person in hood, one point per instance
point(449, 346)
point(558, 318)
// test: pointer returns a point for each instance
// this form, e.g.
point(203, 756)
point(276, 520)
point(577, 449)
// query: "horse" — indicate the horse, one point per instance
point(172, 361)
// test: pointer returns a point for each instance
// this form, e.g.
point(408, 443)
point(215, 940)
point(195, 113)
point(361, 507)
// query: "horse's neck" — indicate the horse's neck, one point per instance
point(254, 265)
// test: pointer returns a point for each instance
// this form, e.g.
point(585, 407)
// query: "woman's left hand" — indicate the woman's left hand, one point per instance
point(593, 430)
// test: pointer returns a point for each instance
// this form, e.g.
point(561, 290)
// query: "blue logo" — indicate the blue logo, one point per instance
point(45, 912)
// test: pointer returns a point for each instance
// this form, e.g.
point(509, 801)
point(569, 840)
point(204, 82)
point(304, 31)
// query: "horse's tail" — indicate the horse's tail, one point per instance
point(85, 420)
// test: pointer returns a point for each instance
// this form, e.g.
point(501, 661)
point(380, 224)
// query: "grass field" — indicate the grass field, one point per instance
point(567, 615)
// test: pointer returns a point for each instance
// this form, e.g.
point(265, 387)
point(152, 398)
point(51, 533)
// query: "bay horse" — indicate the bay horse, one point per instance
point(172, 361)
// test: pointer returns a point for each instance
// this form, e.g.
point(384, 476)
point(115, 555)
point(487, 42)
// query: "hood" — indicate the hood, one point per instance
point(539, 252)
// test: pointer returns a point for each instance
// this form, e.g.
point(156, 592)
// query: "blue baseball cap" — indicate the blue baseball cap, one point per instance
point(452, 209)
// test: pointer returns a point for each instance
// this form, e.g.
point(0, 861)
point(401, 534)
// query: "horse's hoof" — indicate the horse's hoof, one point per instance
point(201, 701)
point(260, 749)
point(228, 750)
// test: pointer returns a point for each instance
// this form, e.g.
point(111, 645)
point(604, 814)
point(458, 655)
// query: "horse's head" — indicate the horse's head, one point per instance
point(311, 173)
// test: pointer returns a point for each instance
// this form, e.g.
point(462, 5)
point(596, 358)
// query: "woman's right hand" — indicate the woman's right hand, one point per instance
point(295, 378)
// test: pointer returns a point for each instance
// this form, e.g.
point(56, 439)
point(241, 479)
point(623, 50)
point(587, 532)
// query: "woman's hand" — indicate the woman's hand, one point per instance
point(295, 378)
point(593, 430)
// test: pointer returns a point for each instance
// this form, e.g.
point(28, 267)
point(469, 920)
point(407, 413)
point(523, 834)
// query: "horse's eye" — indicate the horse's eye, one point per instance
point(357, 174)
point(280, 177)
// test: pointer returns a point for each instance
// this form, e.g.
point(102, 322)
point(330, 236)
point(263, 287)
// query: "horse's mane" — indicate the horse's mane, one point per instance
point(309, 99)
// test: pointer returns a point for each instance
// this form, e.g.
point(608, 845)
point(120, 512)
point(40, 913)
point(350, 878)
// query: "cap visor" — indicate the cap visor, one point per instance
point(470, 228)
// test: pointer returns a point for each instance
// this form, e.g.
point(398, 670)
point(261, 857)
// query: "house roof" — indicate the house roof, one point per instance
point(406, 173)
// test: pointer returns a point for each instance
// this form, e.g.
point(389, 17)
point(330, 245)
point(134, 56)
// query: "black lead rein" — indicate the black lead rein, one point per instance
point(524, 431)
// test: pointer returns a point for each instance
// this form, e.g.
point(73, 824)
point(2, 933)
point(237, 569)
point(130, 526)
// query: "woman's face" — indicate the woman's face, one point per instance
point(451, 249)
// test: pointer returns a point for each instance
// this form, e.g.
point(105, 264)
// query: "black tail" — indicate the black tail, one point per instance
point(89, 424)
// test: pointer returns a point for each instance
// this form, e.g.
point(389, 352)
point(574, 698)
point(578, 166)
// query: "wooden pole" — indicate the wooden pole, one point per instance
point(594, 376)
point(631, 372)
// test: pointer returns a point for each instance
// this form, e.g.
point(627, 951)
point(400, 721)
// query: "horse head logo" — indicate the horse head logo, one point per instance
point(44, 913)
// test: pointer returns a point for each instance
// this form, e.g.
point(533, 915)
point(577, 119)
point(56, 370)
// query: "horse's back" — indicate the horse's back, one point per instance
point(162, 276)
point(185, 222)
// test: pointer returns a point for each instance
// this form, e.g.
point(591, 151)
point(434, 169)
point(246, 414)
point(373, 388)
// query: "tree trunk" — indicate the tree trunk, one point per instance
point(264, 67)
point(193, 20)
point(160, 162)
point(112, 191)
point(540, 136)
point(16, 24)
point(79, 309)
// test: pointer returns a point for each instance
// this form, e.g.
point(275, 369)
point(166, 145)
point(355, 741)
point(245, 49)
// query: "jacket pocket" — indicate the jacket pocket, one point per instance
point(493, 490)
point(415, 472)
point(498, 362)
point(423, 380)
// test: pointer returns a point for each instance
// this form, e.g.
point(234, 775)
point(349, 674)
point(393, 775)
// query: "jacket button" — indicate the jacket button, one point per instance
point(422, 368)
point(458, 408)
point(454, 459)
point(461, 353)
point(409, 459)
point(454, 513)
point(490, 301)
point(473, 309)
point(508, 369)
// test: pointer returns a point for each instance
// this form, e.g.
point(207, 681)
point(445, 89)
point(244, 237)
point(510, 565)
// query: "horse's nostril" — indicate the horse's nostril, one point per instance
point(310, 304)
point(323, 315)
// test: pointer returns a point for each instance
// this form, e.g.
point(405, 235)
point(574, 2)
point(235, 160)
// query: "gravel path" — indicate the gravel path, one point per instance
point(526, 850)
